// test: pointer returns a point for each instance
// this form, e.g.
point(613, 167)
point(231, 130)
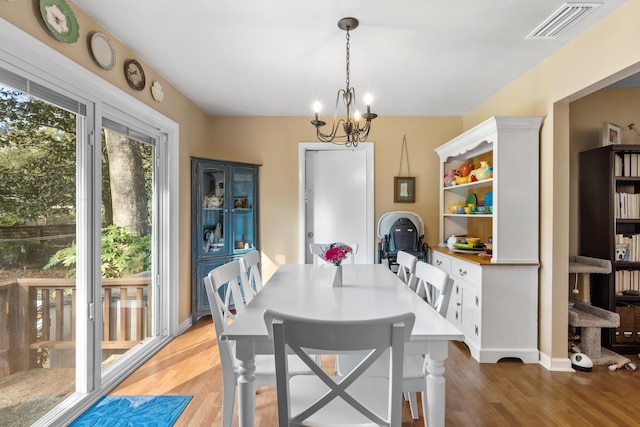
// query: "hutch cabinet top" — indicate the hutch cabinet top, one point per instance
point(487, 132)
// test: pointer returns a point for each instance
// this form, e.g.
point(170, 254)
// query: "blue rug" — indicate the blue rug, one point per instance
point(130, 411)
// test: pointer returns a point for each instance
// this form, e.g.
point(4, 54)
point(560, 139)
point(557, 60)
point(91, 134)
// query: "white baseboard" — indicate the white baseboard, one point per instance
point(185, 325)
point(556, 364)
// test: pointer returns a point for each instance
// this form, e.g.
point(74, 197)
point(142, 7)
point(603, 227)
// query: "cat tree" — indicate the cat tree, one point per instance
point(588, 318)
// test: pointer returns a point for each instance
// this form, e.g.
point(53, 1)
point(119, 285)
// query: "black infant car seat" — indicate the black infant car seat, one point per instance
point(400, 231)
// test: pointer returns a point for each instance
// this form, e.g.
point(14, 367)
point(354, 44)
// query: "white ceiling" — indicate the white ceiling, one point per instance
point(257, 57)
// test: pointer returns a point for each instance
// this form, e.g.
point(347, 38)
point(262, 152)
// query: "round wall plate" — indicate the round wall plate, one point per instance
point(134, 74)
point(102, 50)
point(156, 92)
point(60, 20)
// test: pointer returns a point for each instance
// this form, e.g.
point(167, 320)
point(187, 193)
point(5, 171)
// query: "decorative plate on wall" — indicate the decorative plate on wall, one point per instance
point(135, 74)
point(156, 91)
point(102, 50)
point(60, 20)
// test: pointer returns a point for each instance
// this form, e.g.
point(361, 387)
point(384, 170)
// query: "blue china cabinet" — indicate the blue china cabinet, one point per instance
point(224, 219)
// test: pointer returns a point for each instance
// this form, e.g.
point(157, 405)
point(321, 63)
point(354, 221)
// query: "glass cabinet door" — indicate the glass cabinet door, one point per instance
point(243, 194)
point(213, 225)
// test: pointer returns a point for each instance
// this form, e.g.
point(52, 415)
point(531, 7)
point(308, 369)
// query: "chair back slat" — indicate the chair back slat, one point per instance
point(407, 268)
point(434, 285)
point(250, 265)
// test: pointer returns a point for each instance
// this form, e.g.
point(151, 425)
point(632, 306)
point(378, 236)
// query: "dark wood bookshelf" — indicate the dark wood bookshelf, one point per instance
point(605, 171)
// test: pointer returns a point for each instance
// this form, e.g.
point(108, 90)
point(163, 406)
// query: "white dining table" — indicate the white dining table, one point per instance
point(368, 291)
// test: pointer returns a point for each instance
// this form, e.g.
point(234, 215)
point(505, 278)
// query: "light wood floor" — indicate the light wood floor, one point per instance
point(509, 393)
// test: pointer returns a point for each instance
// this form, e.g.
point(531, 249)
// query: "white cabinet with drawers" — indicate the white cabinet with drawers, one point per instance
point(466, 279)
point(494, 305)
point(494, 301)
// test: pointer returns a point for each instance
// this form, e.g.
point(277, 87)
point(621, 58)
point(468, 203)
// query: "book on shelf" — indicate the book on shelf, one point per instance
point(626, 167)
point(627, 205)
point(627, 164)
point(627, 280)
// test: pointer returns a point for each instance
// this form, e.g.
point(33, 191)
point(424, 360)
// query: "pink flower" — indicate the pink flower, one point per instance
point(336, 252)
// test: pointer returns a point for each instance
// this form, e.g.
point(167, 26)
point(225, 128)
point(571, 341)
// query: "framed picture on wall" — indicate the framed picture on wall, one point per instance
point(404, 189)
point(611, 134)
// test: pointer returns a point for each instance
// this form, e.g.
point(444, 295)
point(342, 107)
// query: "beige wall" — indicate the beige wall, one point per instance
point(273, 142)
point(602, 55)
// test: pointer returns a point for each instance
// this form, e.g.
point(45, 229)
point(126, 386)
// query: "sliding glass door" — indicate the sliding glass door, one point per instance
point(83, 267)
point(38, 234)
point(128, 255)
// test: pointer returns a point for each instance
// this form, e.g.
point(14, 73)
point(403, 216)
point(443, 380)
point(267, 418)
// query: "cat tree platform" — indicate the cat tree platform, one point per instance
point(588, 318)
point(591, 320)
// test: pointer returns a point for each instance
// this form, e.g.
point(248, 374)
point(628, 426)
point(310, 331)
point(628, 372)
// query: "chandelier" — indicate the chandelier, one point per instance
point(355, 127)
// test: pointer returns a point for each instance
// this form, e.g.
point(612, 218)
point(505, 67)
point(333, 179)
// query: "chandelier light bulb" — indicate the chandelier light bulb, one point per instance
point(368, 98)
point(316, 108)
point(357, 116)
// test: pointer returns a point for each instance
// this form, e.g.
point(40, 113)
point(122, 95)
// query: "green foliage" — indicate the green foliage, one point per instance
point(65, 257)
point(122, 254)
point(38, 138)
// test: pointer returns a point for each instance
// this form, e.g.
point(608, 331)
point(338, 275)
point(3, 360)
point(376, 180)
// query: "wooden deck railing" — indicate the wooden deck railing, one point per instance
point(39, 314)
point(10, 336)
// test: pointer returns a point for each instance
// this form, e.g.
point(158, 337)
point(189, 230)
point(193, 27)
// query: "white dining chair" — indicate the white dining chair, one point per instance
point(250, 265)
point(407, 268)
point(223, 292)
point(351, 399)
point(318, 248)
point(434, 285)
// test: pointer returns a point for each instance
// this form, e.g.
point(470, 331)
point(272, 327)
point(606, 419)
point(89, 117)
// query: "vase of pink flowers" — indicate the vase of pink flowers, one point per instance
point(334, 254)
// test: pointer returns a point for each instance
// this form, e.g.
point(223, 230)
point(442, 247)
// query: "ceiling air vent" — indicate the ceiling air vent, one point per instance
point(561, 20)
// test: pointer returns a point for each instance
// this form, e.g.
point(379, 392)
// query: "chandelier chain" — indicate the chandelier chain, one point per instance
point(348, 59)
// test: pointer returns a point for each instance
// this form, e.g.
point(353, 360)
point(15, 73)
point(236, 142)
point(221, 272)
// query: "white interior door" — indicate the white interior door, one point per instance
point(337, 198)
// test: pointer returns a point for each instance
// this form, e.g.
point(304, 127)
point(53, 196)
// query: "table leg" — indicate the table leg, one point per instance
point(436, 386)
point(246, 384)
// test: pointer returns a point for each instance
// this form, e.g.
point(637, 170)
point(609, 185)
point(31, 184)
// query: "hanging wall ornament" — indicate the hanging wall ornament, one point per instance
point(60, 20)
point(404, 187)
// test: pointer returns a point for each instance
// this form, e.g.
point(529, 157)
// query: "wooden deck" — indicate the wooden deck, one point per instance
point(38, 317)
